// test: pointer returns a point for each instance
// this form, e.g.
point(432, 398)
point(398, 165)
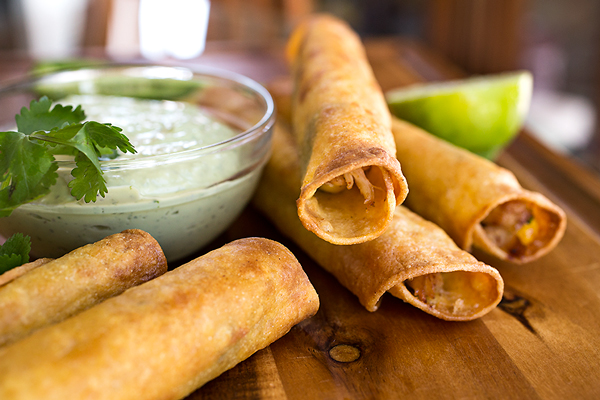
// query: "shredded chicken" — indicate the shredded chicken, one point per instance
point(347, 181)
point(335, 185)
point(426, 287)
point(364, 186)
point(458, 307)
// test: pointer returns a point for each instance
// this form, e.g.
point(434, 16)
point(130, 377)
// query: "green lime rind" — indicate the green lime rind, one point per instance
point(481, 114)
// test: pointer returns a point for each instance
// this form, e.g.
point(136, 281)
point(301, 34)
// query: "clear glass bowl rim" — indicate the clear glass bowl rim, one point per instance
point(262, 126)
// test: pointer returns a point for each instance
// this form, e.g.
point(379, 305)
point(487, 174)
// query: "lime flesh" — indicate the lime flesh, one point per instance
point(481, 114)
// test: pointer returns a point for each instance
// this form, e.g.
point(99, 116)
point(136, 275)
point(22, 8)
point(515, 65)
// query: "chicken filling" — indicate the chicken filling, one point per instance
point(512, 226)
point(348, 180)
point(430, 290)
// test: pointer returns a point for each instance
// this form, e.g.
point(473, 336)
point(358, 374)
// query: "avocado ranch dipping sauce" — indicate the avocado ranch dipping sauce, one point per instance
point(183, 200)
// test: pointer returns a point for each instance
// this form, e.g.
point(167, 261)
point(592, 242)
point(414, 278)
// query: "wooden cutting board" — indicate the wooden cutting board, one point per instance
point(543, 341)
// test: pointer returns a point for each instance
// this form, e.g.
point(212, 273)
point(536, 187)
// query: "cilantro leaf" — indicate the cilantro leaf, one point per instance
point(72, 140)
point(88, 180)
point(28, 171)
point(39, 117)
point(14, 252)
point(108, 136)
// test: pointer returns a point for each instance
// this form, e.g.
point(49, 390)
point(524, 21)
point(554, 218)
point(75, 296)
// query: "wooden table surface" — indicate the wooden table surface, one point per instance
point(543, 340)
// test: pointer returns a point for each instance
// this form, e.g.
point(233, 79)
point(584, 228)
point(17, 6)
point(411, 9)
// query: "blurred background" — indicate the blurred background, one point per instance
point(557, 40)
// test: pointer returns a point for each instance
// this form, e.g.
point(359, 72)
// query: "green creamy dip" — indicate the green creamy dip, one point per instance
point(183, 200)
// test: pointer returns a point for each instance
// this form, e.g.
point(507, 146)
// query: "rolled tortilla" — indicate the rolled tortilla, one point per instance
point(60, 288)
point(167, 337)
point(413, 259)
point(352, 180)
point(474, 200)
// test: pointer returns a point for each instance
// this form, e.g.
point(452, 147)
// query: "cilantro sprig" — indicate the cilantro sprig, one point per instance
point(27, 164)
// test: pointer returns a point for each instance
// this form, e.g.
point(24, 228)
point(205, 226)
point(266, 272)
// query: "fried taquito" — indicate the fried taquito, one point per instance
point(477, 202)
point(351, 179)
point(167, 337)
point(57, 289)
point(413, 259)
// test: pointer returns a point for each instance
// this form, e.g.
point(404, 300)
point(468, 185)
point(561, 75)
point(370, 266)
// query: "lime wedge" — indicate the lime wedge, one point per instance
point(481, 114)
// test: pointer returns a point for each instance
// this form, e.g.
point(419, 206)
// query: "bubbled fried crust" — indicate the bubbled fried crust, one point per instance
point(133, 255)
point(76, 281)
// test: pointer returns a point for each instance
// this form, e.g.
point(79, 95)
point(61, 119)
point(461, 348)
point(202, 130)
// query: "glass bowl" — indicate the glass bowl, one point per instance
point(183, 189)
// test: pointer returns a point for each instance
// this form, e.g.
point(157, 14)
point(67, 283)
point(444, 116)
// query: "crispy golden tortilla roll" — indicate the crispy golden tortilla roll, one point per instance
point(352, 180)
point(477, 202)
point(413, 259)
point(80, 279)
point(167, 337)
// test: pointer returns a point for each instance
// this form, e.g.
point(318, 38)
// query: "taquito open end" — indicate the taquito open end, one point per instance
point(520, 228)
point(348, 216)
point(460, 295)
